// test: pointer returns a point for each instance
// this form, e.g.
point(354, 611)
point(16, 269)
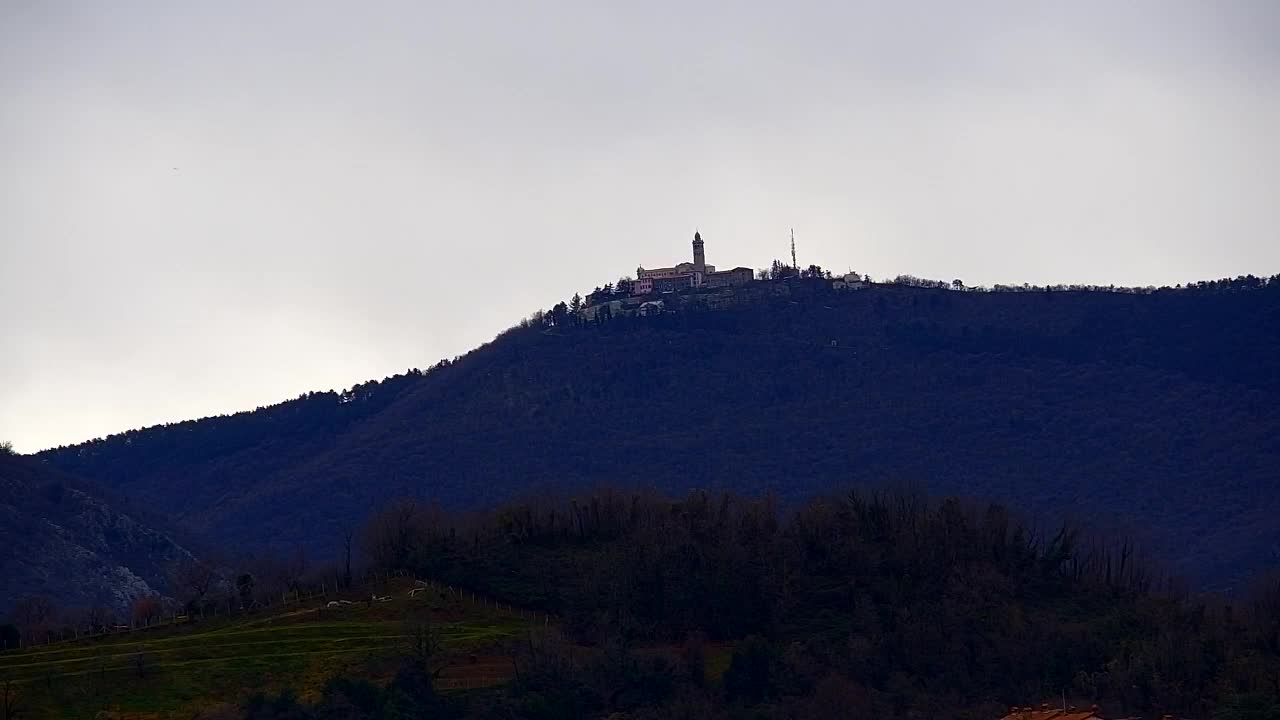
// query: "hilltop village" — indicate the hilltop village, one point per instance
point(694, 282)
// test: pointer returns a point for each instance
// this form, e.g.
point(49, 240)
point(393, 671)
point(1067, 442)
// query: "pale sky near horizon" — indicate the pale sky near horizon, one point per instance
point(205, 207)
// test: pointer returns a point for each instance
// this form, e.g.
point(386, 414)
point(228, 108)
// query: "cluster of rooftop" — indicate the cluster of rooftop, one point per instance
point(1045, 712)
point(641, 296)
point(1065, 712)
point(689, 274)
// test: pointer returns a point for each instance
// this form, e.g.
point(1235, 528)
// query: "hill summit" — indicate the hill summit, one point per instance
point(1149, 414)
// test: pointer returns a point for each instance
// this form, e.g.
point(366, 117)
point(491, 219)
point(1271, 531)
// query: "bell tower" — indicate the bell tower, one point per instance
point(699, 256)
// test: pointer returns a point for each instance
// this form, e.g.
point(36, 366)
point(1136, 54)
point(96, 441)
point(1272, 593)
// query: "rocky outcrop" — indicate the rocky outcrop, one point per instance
point(66, 542)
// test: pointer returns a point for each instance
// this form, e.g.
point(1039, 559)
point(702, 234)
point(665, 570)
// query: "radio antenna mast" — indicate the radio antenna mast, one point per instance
point(794, 264)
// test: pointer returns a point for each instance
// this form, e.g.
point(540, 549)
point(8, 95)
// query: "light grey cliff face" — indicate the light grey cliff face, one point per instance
point(73, 547)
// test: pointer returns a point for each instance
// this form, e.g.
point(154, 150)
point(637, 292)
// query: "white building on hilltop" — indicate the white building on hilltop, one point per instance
point(850, 281)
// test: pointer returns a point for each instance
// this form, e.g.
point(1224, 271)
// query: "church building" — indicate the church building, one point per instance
point(687, 275)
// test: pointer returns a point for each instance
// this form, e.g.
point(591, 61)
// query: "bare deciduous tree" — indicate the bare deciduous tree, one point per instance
point(294, 569)
point(10, 701)
point(395, 536)
point(145, 609)
point(33, 615)
point(422, 640)
point(348, 534)
point(192, 579)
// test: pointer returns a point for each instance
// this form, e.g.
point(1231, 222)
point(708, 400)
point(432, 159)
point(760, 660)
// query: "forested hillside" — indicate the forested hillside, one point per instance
point(1146, 415)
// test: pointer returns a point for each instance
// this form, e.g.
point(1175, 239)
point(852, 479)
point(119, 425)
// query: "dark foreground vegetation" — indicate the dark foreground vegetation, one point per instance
point(854, 606)
point(630, 605)
point(863, 605)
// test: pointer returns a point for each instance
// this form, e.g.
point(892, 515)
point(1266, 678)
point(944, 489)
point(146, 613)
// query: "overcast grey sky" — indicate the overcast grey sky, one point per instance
point(210, 206)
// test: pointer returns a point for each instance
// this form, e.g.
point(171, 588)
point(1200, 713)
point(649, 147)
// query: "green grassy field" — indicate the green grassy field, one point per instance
point(173, 672)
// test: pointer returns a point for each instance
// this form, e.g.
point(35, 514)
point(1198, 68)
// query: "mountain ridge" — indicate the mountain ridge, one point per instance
point(1136, 409)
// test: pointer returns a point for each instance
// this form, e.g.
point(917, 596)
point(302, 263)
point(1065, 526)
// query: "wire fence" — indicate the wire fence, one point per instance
point(224, 607)
point(463, 597)
point(328, 593)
